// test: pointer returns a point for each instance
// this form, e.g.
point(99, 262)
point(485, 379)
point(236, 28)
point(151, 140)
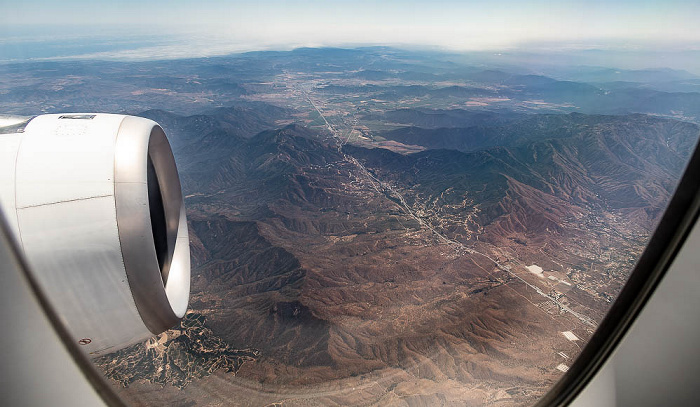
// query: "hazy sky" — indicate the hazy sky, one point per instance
point(216, 27)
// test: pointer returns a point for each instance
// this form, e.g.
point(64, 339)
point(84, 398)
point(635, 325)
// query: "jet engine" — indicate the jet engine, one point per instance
point(94, 201)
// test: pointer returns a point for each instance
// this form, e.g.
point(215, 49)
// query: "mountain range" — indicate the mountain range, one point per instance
point(377, 226)
point(337, 262)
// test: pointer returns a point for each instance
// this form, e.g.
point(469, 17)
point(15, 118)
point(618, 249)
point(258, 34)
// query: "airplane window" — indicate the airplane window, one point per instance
point(395, 204)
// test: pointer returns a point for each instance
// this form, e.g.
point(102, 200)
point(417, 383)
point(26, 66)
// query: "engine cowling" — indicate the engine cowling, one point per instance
point(94, 200)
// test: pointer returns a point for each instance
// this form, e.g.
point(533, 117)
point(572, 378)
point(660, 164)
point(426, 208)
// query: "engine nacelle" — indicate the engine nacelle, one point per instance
point(94, 201)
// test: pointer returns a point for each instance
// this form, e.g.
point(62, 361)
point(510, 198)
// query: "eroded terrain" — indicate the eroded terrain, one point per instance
point(374, 227)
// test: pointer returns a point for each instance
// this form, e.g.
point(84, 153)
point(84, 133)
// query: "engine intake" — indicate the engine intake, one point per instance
point(95, 202)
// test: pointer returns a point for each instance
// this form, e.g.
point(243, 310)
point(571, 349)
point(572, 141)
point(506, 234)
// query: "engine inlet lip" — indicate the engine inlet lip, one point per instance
point(149, 218)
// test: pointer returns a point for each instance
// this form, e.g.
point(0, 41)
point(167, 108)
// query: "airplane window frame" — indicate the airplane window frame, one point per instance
point(81, 360)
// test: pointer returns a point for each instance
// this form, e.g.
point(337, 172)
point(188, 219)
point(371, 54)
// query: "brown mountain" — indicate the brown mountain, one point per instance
point(366, 269)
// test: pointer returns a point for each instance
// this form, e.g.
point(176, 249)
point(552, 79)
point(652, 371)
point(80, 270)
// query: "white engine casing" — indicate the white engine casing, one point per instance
point(94, 200)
